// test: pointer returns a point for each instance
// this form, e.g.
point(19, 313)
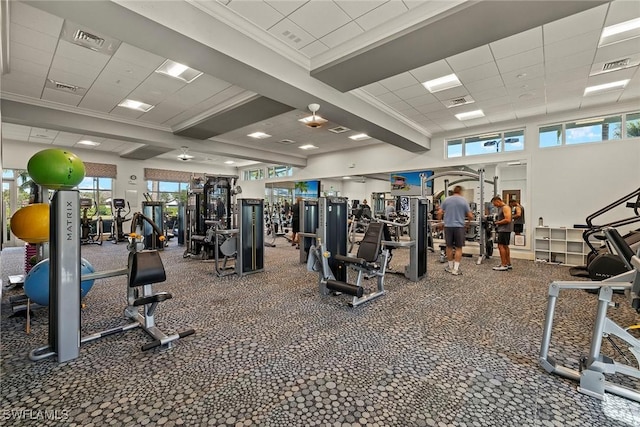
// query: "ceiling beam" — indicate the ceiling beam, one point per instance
point(33, 115)
point(468, 26)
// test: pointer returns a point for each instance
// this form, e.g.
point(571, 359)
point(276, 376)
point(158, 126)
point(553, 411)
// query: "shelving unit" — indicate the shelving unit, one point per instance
point(560, 245)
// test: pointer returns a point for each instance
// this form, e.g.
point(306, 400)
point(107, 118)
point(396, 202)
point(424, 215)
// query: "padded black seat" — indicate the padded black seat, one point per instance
point(620, 245)
point(145, 268)
point(369, 246)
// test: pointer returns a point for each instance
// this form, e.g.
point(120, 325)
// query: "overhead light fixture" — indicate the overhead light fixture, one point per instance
point(135, 105)
point(514, 163)
point(89, 143)
point(184, 156)
point(178, 71)
point(259, 135)
point(359, 137)
point(470, 115)
point(490, 143)
point(607, 86)
point(442, 83)
point(346, 177)
point(313, 121)
point(307, 147)
point(620, 32)
point(229, 162)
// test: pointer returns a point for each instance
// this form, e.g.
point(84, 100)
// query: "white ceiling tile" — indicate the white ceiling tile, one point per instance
point(558, 89)
point(258, 12)
point(314, 48)
point(583, 42)
point(37, 132)
point(424, 99)
point(381, 14)
point(401, 106)
point(601, 99)
point(399, 81)
point(514, 45)
point(162, 112)
point(389, 98)
point(484, 84)
point(573, 25)
point(126, 113)
point(432, 71)
point(134, 55)
point(100, 100)
point(480, 72)
point(570, 62)
point(81, 54)
point(319, 18)
point(70, 78)
point(342, 34)
point(502, 116)
point(560, 105)
point(11, 86)
point(31, 37)
point(489, 94)
point(40, 141)
point(526, 86)
point(356, 9)
point(61, 97)
point(36, 19)
point(30, 54)
point(621, 11)
point(521, 60)
point(571, 74)
point(127, 69)
point(197, 91)
point(22, 66)
point(23, 77)
point(156, 88)
point(523, 74)
point(67, 136)
point(290, 33)
point(375, 89)
point(286, 7)
point(562, 96)
point(107, 79)
point(494, 102)
point(452, 93)
point(207, 104)
point(530, 111)
point(471, 58)
point(410, 92)
point(430, 108)
point(75, 68)
point(619, 50)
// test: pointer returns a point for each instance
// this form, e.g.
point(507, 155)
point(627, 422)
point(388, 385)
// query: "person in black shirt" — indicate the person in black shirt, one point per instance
point(295, 221)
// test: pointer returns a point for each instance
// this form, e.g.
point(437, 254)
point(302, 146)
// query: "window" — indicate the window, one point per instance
point(593, 130)
point(550, 136)
point(279, 171)
point(98, 190)
point(496, 142)
point(633, 125)
point(454, 148)
point(170, 192)
point(254, 174)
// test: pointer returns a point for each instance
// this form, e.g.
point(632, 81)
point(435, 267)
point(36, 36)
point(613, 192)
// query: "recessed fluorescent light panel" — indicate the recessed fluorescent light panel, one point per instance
point(89, 143)
point(178, 71)
point(308, 147)
point(442, 83)
point(605, 87)
point(259, 135)
point(359, 137)
point(620, 32)
point(229, 162)
point(470, 115)
point(135, 105)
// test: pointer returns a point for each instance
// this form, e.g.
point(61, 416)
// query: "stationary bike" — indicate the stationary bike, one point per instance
point(87, 237)
point(117, 230)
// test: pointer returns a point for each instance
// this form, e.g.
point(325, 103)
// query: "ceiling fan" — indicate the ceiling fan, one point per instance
point(184, 156)
point(313, 121)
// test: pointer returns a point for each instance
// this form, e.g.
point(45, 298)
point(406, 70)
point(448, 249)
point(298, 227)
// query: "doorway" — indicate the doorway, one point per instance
point(509, 195)
point(10, 202)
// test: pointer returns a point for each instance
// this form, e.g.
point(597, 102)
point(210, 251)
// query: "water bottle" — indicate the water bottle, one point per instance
point(540, 222)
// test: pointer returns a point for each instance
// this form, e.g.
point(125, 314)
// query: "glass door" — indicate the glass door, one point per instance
point(9, 198)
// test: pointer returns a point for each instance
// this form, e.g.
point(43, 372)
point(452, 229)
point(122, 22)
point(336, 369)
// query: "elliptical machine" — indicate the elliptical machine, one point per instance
point(117, 230)
point(87, 235)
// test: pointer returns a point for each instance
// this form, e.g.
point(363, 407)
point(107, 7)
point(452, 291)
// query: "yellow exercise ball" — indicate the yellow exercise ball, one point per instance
point(31, 223)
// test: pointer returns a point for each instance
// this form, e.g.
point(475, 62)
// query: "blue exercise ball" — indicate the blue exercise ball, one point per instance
point(36, 284)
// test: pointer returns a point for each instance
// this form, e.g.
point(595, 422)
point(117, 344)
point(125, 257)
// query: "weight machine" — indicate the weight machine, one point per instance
point(155, 238)
point(482, 231)
point(90, 229)
point(309, 217)
point(595, 366)
point(117, 230)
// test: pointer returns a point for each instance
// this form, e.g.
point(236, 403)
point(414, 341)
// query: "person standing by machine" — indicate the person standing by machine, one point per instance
point(454, 210)
point(295, 221)
point(504, 227)
point(517, 215)
point(390, 210)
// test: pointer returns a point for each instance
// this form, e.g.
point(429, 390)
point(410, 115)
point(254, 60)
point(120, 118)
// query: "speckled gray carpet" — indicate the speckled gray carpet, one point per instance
point(270, 351)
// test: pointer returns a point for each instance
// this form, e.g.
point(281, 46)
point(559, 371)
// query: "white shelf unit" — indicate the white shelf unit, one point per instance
point(560, 245)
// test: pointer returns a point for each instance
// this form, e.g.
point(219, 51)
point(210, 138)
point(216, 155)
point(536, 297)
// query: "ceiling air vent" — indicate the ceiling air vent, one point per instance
point(615, 64)
point(455, 102)
point(65, 87)
point(339, 129)
point(87, 38)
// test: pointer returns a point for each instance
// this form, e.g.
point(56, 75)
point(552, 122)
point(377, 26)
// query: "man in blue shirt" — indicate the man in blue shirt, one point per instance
point(455, 210)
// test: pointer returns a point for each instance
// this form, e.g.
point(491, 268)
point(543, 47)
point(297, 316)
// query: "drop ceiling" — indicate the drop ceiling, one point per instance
point(263, 62)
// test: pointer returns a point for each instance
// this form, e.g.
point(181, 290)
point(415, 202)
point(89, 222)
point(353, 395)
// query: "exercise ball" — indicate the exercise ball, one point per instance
point(56, 169)
point(31, 223)
point(36, 283)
